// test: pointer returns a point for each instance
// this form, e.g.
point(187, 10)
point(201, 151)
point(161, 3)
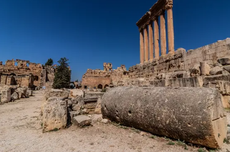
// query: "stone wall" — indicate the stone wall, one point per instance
point(209, 53)
point(26, 74)
point(99, 79)
point(208, 66)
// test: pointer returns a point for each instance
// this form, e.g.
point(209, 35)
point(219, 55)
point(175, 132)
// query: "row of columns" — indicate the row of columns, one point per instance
point(148, 45)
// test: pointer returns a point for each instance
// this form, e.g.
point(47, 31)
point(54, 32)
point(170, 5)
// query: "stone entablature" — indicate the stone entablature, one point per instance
point(154, 12)
point(150, 28)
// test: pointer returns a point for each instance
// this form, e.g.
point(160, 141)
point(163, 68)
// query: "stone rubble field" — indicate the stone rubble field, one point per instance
point(21, 131)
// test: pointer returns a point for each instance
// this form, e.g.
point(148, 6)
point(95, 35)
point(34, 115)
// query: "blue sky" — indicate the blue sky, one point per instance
point(91, 32)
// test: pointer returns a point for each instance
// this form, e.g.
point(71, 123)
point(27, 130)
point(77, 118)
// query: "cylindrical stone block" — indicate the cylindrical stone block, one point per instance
point(141, 47)
point(156, 39)
point(163, 34)
point(146, 44)
point(194, 115)
point(170, 31)
point(151, 41)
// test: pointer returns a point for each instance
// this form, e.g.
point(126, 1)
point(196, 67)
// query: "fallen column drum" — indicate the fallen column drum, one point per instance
point(194, 115)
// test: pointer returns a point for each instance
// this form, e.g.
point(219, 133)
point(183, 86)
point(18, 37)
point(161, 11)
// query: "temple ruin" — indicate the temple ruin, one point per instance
point(25, 74)
point(148, 24)
point(207, 66)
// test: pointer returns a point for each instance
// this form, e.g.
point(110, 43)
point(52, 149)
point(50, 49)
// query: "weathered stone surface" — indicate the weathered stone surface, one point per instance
point(76, 93)
point(22, 92)
point(224, 87)
point(93, 94)
point(74, 113)
point(29, 92)
point(195, 71)
point(224, 61)
point(227, 68)
point(54, 114)
point(98, 106)
point(77, 107)
point(78, 104)
point(204, 68)
point(96, 118)
point(105, 121)
point(58, 93)
point(216, 70)
point(194, 115)
point(228, 130)
point(6, 95)
point(15, 96)
point(226, 101)
point(185, 82)
point(82, 120)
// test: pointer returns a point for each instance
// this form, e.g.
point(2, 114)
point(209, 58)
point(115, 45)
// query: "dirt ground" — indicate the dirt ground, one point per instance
point(20, 131)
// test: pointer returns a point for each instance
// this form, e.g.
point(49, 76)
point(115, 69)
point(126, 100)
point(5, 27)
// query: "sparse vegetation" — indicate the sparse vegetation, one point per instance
point(49, 62)
point(181, 143)
point(170, 143)
point(55, 129)
point(103, 90)
point(153, 137)
point(226, 141)
point(201, 150)
point(185, 147)
point(62, 75)
point(136, 130)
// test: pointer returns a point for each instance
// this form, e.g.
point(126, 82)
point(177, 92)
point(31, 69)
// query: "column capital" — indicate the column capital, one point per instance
point(168, 6)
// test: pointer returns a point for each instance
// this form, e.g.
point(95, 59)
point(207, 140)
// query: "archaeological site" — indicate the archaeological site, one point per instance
point(164, 79)
point(19, 78)
point(172, 100)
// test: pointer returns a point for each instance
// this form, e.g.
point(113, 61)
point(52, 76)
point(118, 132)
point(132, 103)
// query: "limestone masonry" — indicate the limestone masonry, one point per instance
point(100, 79)
point(26, 74)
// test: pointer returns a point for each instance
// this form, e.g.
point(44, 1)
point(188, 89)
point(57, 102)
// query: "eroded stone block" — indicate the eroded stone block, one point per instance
point(82, 120)
point(224, 61)
point(54, 114)
point(6, 95)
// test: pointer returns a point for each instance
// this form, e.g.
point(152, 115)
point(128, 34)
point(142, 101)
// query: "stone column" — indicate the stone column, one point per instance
point(146, 44)
point(170, 31)
point(141, 47)
point(156, 38)
point(151, 41)
point(163, 34)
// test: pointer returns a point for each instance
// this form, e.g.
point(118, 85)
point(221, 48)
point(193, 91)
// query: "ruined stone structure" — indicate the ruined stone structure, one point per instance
point(25, 74)
point(151, 20)
point(207, 66)
point(100, 79)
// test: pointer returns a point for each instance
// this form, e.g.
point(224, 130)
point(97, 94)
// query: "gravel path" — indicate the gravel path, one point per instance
point(20, 131)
